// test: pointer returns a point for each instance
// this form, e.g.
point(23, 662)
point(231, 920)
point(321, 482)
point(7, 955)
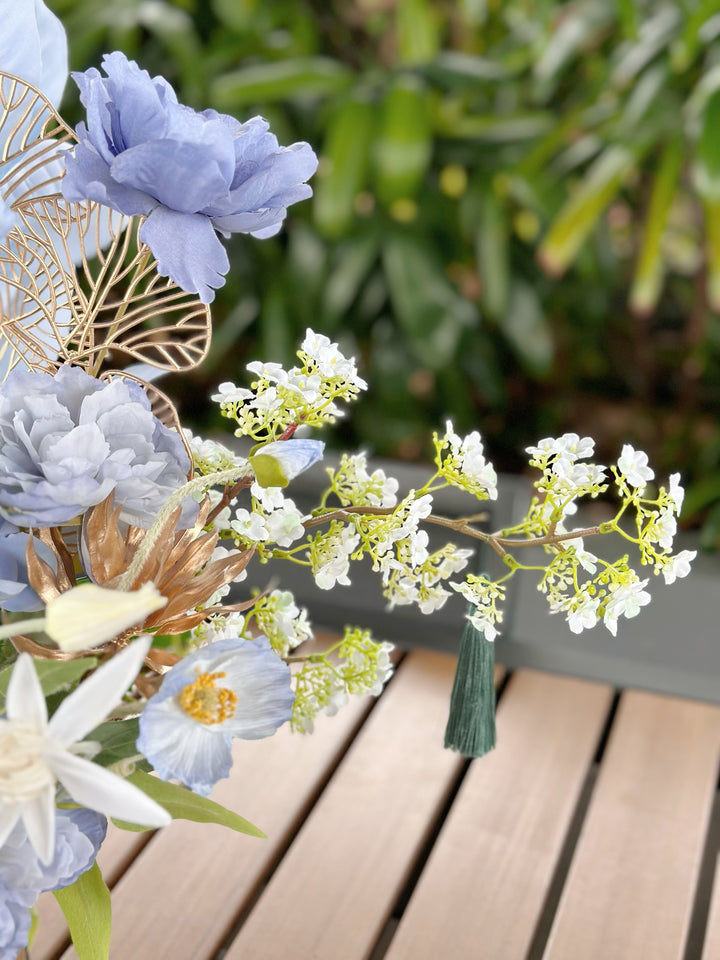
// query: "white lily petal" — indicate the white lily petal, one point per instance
point(95, 787)
point(89, 615)
point(90, 703)
point(25, 700)
point(9, 816)
point(38, 816)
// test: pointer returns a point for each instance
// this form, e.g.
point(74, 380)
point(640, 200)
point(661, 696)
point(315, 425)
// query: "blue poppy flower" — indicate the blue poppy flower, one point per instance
point(230, 688)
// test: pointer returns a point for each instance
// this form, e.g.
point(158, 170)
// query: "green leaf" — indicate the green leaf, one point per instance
point(712, 232)
point(342, 175)
point(493, 255)
point(183, 804)
point(647, 282)
point(527, 330)
point(55, 675)
point(117, 739)
point(431, 311)
point(86, 906)
point(707, 158)
point(581, 212)
point(488, 128)
point(404, 145)
point(354, 260)
point(418, 36)
point(282, 80)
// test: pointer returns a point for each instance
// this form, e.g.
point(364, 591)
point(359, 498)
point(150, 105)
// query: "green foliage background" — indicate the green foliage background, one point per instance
point(516, 219)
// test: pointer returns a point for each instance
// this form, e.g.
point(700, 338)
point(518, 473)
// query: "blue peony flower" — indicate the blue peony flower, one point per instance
point(68, 441)
point(79, 834)
point(190, 173)
point(16, 594)
point(15, 921)
point(230, 688)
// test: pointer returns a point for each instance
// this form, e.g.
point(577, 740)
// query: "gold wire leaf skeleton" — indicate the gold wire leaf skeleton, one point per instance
point(75, 283)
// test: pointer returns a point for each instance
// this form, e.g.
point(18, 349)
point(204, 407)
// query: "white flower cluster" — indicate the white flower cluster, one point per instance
point(564, 477)
point(282, 398)
point(483, 594)
point(357, 664)
point(282, 524)
point(353, 485)
point(281, 620)
point(330, 553)
point(461, 461)
point(209, 456)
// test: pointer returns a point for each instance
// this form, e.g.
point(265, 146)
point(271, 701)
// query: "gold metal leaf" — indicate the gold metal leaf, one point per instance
point(34, 139)
point(76, 284)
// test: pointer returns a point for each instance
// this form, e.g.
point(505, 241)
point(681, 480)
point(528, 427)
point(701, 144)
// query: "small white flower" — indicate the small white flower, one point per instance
point(666, 528)
point(584, 616)
point(678, 566)
point(269, 498)
point(676, 492)
point(249, 526)
point(633, 464)
point(284, 526)
point(626, 599)
point(587, 560)
point(229, 393)
point(335, 559)
point(36, 753)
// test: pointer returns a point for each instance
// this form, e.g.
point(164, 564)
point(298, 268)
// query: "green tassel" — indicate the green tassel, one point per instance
point(471, 724)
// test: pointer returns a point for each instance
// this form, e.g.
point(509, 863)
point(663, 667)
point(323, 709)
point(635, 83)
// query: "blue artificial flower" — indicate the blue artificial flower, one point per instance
point(191, 174)
point(276, 464)
point(15, 922)
point(33, 46)
point(68, 441)
point(16, 594)
point(230, 688)
point(79, 834)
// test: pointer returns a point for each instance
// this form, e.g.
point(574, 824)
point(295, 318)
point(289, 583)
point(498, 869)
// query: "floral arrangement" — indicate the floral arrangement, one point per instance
point(122, 652)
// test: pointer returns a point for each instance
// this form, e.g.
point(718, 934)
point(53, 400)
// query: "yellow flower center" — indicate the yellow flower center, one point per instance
point(205, 702)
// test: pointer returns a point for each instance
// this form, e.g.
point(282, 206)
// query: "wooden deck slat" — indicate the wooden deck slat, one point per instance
point(630, 888)
point(485, 884)
point(182, 894)
point(331, 895)
point(120, 846)
point(711, 947)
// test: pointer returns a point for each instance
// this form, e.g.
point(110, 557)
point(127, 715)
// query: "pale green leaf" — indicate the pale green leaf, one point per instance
point(55, 675)
point(86, 906)
point(647, 282)
point(183, 804)
point(580, 213)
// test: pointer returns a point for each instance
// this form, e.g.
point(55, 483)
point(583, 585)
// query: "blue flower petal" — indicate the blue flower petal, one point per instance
point(187, 250)
point(169, 170)
point(88, 177)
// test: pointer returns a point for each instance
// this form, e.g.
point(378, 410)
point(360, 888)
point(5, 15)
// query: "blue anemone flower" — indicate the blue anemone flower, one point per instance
point(230, 688)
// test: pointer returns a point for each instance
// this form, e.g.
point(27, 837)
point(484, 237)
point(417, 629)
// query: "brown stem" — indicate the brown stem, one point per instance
point(460, 525)
point(228, 496)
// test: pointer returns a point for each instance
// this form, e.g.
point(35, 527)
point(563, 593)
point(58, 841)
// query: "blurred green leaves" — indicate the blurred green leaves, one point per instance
point(516, 217)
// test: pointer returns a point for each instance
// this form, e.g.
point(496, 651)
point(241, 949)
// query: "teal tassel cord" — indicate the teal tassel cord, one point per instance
point(471, 724)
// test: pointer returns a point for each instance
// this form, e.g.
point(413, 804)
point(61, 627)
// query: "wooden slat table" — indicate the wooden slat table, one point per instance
point(590, 832)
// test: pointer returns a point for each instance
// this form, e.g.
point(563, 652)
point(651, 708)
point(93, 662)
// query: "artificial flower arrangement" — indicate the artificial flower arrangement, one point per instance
point(121, 534)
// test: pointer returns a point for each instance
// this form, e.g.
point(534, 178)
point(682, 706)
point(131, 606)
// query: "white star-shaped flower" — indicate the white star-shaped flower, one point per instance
point(36, 753)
